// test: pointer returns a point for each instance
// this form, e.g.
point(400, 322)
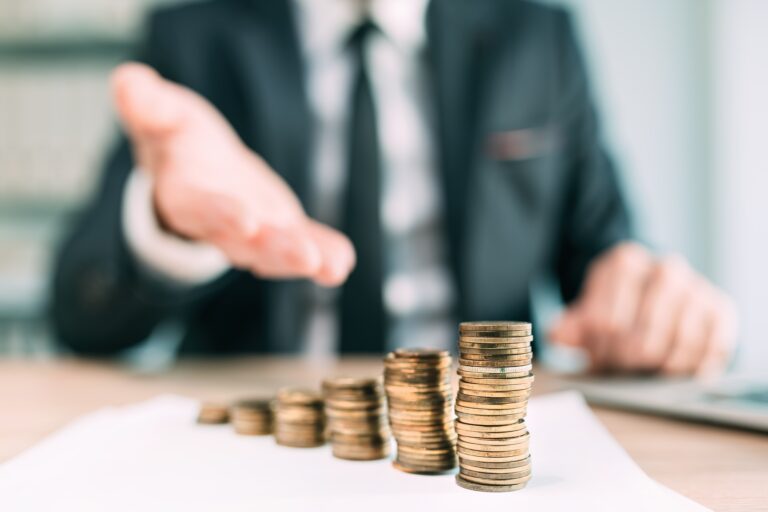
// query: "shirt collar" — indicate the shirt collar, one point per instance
point(324, 24)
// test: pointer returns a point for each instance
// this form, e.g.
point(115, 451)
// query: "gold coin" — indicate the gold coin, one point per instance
point(496, 441)
point(496, 351)
point(448, 452)
point(213, 413)
point(491, 409)
point(498, 344)
point(486, 459)
point(434, 465)
point(512, 426)
point(495, 476)
point(485, 437)
point(523, 445)
point(495, 357)
point(341, 452)
point(488, 481)
point(496, 378)
point(399, 365)
point(476, 353)
point(504, 395)
point(481, 338)
point(495, 334)
point(479, 419)
point(472, 486)
point(474, 364)
point(494, 325)
point(505, 384)
point(490, 454)
point(523, 468)
point(423, 469)
point(473, 371)
point(516, 397)
point(299, 442)
point(476, 465)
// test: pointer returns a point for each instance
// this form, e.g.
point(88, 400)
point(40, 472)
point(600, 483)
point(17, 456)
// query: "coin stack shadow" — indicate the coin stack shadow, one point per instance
point(357, 422)
point(252, 417)
point(494, 386)
point(299, 418)
point(419, 398)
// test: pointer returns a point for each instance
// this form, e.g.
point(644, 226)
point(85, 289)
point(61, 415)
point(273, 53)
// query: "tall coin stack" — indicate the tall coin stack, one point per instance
point(495, 383)
point(252, 417)
point(419, 397)
point(299, 418)
point(357, 422)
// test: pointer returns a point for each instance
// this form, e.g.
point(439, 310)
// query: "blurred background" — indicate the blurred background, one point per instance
point(681, 85)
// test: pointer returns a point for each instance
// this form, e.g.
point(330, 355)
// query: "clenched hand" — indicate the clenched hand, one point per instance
point(637, 312)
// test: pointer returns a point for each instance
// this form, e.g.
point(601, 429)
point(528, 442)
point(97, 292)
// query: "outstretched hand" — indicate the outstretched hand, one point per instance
point(209, 187)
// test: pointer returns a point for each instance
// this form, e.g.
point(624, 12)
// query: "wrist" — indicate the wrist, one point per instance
point(156, 247)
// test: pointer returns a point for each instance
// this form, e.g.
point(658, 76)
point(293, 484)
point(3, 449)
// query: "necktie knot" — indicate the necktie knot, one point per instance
point(359, 35)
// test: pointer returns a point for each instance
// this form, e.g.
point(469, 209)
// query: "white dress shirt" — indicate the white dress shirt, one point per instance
point(418, 291)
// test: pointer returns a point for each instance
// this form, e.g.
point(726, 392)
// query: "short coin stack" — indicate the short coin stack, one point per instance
point(299, 418)
point(252, 417)
point(213, 413)
point(496, 379)
point(419, 397)
point(357, 422)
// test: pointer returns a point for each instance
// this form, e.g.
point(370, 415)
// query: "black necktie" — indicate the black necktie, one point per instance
point(363, 321)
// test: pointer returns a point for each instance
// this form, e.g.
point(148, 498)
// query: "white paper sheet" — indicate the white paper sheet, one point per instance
point(152, 456)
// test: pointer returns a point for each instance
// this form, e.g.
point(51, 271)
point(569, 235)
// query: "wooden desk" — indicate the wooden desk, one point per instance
point(722, 469)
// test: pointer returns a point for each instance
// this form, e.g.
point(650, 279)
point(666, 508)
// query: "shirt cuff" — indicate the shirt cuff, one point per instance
point(170, 257)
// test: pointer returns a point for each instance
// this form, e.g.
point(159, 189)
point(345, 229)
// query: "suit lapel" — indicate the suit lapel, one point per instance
point(270, 63)
point(460, 36)
point(271, 66)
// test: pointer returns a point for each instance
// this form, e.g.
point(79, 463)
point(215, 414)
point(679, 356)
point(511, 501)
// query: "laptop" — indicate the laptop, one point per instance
point(736, 401)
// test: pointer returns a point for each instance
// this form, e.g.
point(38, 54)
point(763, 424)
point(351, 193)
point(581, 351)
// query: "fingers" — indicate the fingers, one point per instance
point(626, 272)
point(607, 308)
point(307, 250)
point(283, 253)
point(637, 313)
point(567, 330)
point(338, 255)
point(721, 340)
point(689, 339)
point(652, 336)
point(705, 335)
point(145, 102)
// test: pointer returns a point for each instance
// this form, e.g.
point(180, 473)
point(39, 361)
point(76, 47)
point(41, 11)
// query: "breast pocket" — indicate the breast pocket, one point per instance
point(526, 160)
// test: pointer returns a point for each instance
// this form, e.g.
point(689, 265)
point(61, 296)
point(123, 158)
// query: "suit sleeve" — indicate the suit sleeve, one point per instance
point(103, 301)
point(594, 214)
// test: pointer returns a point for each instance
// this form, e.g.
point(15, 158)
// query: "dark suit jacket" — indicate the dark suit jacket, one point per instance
point(528, 189)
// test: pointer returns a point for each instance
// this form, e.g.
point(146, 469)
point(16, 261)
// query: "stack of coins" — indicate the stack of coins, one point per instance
point(357, 422)
point(299, 418)
point(495, 383)
point(419, 397)
point(212, 413)
point(252, 417)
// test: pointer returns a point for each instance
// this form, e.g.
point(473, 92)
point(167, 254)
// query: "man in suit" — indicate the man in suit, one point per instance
point(341, 175)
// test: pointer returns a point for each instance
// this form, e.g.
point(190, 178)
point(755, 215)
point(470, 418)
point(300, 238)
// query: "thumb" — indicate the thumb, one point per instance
point(568, 330)
point(147, 104)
